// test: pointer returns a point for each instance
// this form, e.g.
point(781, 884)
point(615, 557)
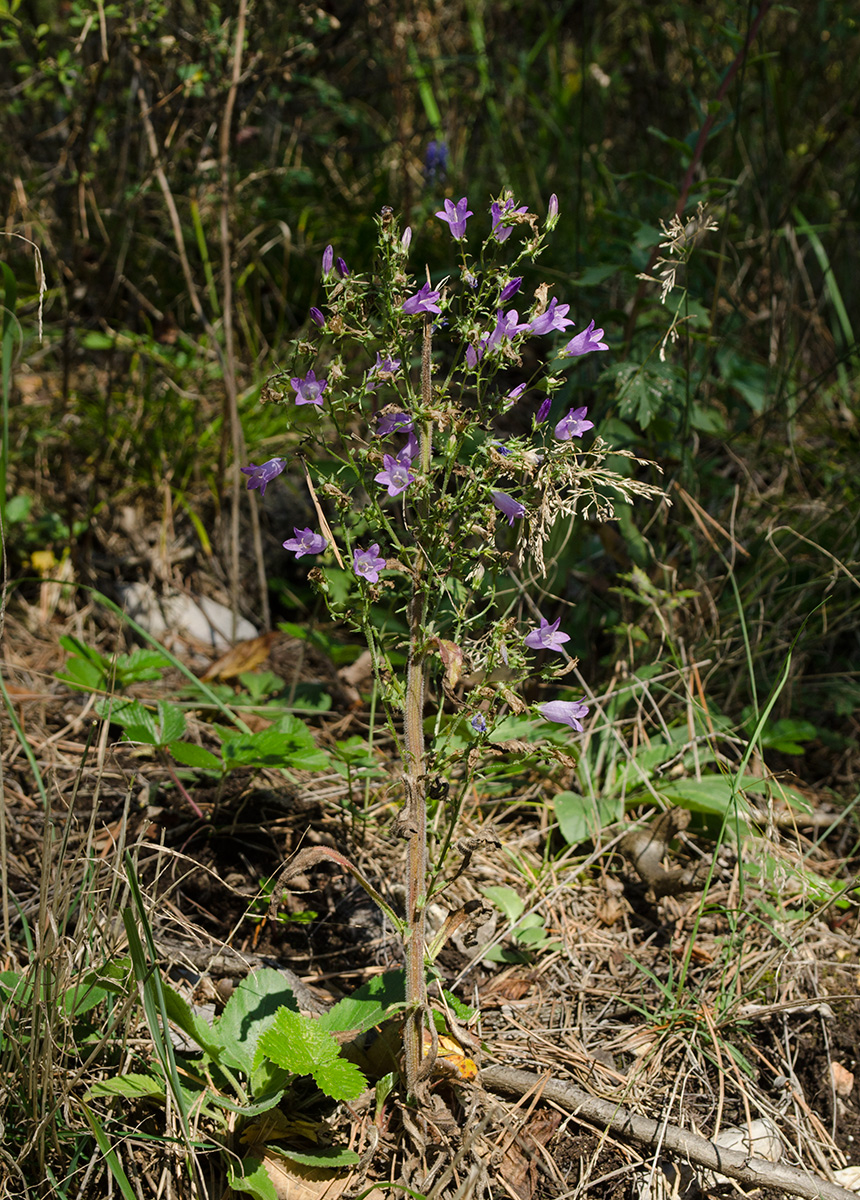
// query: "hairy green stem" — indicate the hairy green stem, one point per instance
point(415, 779)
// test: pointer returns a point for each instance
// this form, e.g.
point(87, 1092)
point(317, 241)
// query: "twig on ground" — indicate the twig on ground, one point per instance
point(756, 1172)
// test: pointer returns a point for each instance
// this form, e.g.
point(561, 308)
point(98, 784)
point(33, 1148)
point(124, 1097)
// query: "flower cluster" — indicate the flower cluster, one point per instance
point(402, 439)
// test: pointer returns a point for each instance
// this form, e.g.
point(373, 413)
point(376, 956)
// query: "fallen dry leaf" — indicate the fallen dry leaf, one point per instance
point(843, 1079)
point(292, 1181)
point(240, 658)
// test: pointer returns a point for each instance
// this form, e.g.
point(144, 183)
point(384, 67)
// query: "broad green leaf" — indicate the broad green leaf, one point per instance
point(370, 1005)
point(506, 899)
point(18, 509)
point(323, 1156)
point(131, 1086)
point(191, 755)
point(249, 1012)
point(250, 1176)
point(82, 673)
point(300, 1044)
point(83, 996)
point(710, 794)
point(180, 1013)
point(580, 819)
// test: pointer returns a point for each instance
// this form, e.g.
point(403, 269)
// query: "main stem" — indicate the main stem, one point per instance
point(415, 779)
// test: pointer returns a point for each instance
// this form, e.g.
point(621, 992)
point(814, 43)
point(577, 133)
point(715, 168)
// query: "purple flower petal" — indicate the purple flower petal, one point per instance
point(478, 723)
point(391, 421)
point(317, 317)
point(327, 261)
point(424, 301)
point(456, 216)
point(510, 289)
point(573, 425)
point(310, 389)
point(555, 317)
point(384, 366)
point(585, 342)
point(500, 231)
point(564, 712)
point(259, 477)
point(306, 542)
point(547, 637)
point(367, 564)
point(508, 506)
point(396, 476)
point(543, 411)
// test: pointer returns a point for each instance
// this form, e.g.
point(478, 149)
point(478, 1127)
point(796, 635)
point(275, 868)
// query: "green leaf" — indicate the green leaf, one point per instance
point(506, 899)
point(249, 1175)
point(180, 1013)
point(710, 794)
point(249, 1012)
point(301, 1045)
point(370, 1005)
point(83, 996)
point(133, 1087)
point(191, 755)
point(323, 1156)
point(580, 819)
point(18, 509)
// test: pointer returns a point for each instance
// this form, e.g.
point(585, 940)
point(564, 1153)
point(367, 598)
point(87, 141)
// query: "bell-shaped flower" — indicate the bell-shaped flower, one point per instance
point(510, 289)
point(389, 422)
point(508, 506)
point(306, 542)
point(555, 317)
point(547, 637)
point(259, 477)
point(310, 389)
point(456, 215)
point(564, 712)
point(424, 301)
point(573, 425)
point(367, 564)
point(396, 476)
point(500, 231)
point(385, 367)
point(585, 342)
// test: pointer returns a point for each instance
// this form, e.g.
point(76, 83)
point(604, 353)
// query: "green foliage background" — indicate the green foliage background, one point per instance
point(623, 110)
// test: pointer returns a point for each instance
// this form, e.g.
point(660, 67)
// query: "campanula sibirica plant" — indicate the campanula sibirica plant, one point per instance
point(429, 506)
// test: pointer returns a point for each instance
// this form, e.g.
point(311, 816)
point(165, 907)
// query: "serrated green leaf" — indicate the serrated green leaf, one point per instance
point(132, 1086)
point(301, 1045)
point(340, 1079)
point(249, 1012)
point(170, 721)
point(296, 1043)
point(190, 755)
point(82, 673)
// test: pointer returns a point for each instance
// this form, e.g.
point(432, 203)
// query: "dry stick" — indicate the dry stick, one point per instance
point(230, 397)
point(415, 783)
point(756, 1172)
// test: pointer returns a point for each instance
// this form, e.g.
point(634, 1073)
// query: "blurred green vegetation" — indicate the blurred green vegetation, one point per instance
point(116, 161)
